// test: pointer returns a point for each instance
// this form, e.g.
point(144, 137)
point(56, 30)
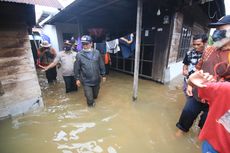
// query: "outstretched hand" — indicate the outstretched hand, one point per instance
point(199, 78)
point(78, 83)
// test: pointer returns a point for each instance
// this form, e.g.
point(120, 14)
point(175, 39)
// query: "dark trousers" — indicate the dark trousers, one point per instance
point(107, 68)
point(91, 93)
point(70, 83)
point(51, 75)
point(190, 112)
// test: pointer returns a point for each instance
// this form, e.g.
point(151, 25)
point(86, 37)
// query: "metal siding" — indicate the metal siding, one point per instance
point(49, 3)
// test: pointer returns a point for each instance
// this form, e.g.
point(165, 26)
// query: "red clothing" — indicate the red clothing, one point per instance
point(216, 129)
point(107, 58)
point(210, 58)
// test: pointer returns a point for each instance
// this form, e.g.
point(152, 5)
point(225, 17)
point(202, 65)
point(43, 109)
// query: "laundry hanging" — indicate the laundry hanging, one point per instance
point(127, 45)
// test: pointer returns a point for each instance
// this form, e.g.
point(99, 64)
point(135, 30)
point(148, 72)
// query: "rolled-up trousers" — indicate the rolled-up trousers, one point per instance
point(190, 112)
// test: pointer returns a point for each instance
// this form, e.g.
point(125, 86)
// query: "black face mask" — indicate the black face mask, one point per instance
point(218, 35)
point(67, 48)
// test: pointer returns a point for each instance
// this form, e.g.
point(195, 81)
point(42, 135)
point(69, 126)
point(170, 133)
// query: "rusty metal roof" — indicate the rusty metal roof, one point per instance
point(49, 3)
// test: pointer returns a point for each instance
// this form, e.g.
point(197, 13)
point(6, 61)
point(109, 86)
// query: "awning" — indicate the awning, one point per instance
point(118, 17)
point(115, 16)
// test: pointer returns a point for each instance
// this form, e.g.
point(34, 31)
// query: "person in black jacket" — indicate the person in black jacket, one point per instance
point(88, 69)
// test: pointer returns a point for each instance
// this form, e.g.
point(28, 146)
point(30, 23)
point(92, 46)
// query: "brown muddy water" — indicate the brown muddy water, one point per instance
point(115, 125)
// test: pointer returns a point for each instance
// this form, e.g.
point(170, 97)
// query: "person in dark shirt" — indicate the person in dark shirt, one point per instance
point(192, 57)
point(88, 69)
point(190, 60)
point(214, 55)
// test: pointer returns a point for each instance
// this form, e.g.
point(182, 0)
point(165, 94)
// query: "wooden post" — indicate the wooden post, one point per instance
point(138, 47)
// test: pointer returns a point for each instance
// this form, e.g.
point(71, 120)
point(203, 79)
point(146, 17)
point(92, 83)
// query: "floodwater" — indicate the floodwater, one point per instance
point(114, 125)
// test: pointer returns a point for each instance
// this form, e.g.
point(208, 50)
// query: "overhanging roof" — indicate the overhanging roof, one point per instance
point(119, 16)
point(116, 16)
point(49, 3)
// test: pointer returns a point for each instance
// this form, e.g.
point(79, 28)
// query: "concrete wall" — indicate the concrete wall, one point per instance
point(51, 31)
point(66, 28)
point(19, 83)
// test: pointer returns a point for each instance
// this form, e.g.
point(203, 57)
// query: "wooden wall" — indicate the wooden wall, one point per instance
point(176, 34)
point(19, 83)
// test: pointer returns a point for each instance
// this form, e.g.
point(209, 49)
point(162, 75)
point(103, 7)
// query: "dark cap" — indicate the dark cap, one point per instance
point(222, 21)
point(86, 39)
point(67, 42)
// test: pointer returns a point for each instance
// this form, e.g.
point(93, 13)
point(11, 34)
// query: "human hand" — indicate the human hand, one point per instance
point(199, 78)
point(41, 66)
point(103, 79)
point(45, 69)
point(185, 73)
point(78, 83)
point(189, 90)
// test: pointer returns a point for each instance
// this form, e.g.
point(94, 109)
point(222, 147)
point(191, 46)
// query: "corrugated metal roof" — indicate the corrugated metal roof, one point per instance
point(49, 3)
point(118, 17)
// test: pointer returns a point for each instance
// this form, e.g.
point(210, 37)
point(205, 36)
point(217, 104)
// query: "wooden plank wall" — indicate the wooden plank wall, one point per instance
point(19, 83)
point(175, 41)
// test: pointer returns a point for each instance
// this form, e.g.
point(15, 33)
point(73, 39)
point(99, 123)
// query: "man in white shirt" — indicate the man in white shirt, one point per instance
point(66, 58)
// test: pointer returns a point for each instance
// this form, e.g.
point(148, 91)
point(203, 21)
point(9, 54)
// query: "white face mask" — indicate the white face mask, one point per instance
point(88, 50)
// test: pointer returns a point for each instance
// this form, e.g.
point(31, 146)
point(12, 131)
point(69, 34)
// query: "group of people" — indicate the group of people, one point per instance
point(85, 67)
point(206, 71)
point(207, 76)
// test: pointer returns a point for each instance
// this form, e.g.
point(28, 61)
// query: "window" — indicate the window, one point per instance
point(185, 41)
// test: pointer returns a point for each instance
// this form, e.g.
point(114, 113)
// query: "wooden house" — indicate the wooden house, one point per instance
point(19, 87)
point(167, 29)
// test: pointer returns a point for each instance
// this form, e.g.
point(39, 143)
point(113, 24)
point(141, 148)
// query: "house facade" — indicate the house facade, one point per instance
point(19, 87)
point(167, 30)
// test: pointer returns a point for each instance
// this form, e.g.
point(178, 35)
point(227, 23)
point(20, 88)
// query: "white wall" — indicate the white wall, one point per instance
point(55, 32)
point(66, 28)
point(173, 71)
point(227, 6)
point(50, 30)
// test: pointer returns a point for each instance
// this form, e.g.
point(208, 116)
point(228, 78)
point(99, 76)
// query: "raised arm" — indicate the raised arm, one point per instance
point(199, 79)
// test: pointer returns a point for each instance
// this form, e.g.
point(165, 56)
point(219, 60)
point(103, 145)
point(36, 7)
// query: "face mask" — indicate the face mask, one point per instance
point(67, 48)
point(218, 35)
point(88, 50)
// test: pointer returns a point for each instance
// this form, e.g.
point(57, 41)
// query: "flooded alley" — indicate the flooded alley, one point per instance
point(114, 125)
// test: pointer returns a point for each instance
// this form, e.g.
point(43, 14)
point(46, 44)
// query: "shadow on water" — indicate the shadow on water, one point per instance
point(115, 125)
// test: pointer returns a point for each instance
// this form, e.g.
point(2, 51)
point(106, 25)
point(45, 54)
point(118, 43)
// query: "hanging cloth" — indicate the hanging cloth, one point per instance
point(127, 45)
point(112, 46)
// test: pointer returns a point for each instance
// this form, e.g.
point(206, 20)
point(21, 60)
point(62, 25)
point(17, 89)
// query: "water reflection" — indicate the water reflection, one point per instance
point(115, 125)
